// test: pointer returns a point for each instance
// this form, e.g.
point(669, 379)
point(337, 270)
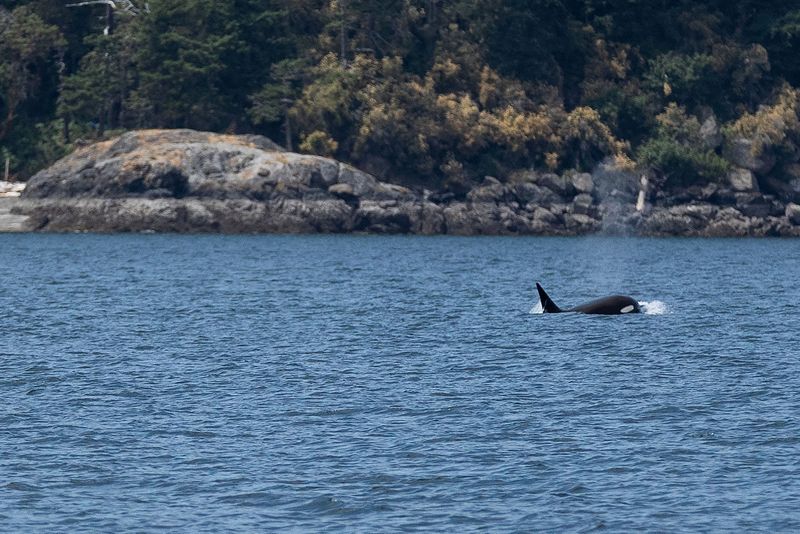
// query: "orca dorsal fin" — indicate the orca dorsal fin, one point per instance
point(547, 303)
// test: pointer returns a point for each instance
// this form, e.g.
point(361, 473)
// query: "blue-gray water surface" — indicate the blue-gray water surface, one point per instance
point(356, 383)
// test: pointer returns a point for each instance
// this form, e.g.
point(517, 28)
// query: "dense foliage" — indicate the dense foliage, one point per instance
point(428, 92)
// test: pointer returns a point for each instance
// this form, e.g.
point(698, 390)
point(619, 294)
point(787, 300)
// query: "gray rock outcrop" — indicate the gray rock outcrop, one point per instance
point(710, 132)
point(741, 152)
point(742, 180)
point(187, 181)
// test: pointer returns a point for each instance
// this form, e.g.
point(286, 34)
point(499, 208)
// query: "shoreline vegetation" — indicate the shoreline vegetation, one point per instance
point(495, 117)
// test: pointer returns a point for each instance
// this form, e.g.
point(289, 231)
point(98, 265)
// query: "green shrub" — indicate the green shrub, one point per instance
point(319, 143)
point(677, 151)
point(680, 164)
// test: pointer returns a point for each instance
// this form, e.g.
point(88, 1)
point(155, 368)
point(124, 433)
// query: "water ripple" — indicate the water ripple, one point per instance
point(220, 383)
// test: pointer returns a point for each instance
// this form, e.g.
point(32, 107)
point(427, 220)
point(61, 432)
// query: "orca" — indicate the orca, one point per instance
point(613, 305)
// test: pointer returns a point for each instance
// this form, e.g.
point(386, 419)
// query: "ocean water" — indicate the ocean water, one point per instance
point(382, 384)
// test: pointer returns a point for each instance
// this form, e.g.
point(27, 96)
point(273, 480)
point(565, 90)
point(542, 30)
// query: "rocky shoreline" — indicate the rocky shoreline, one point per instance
point(187, 181)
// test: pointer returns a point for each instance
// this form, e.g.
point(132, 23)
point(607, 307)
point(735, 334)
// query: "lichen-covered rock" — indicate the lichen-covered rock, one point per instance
point(362, 184)
point(729, 222)
point(710, 133)
point(545, 216)
point(429, 219)
point(793, 213)
point(474, 219)
point(560, 185)
point(583, 182)
point(581, 224)
point(526, 193)
point(667, 222)
point(741, 152)
point(491, 190)
point(742, 180)
point(190, 164)
point(11, 189)
point(382, 218)
point(583, 204)
point(186, 181)
point(700, 212)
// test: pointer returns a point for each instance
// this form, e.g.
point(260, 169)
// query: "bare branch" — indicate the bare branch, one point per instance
point(105, 2)
point(126, 6)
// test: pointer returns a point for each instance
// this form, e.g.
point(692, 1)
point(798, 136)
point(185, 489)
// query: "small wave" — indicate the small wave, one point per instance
point(655, 307)
point(538, 308)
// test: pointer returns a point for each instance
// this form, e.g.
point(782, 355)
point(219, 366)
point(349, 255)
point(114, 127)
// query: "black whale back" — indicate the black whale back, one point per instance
point(613, 305)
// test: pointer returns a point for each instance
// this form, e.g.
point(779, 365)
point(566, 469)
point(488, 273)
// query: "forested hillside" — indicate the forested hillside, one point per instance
point(433, 92)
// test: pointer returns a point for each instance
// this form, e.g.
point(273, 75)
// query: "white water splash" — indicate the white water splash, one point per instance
point(655, 307)
point(538, 308)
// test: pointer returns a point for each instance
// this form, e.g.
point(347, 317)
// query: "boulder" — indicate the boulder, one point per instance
point(583, 204)
point(753, 205)
point(559, 209)
point(528, 193)
point(583, 182)
point(545, 217)
point(456, 219)
point(708, 191)
point(700, 212)
point(579, 223)
point(189, 164)
point(480, 219)
point(793, 213)
point(363, 184)
point(382, 218)
point(729, 222)
point(513, 223)
point(723, 196)
point(429, 220)
point(742, 180)
point(330, 216)
point(666, 222)
point(491, 190)
point(741, 152)
point(758, 210)
point(11, 189)
point(560, 185)
point(710, 133)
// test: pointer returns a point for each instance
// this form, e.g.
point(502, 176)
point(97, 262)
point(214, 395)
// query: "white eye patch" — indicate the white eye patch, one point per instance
point(627, 309)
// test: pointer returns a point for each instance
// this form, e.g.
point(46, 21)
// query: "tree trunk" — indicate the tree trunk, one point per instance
point(342, 45)
point(287, 126)
point(109, 20)
point(5, 126)
point(121, 114)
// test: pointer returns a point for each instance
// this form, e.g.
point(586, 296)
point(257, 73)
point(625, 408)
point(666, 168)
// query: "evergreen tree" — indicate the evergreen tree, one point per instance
point(428, 91)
